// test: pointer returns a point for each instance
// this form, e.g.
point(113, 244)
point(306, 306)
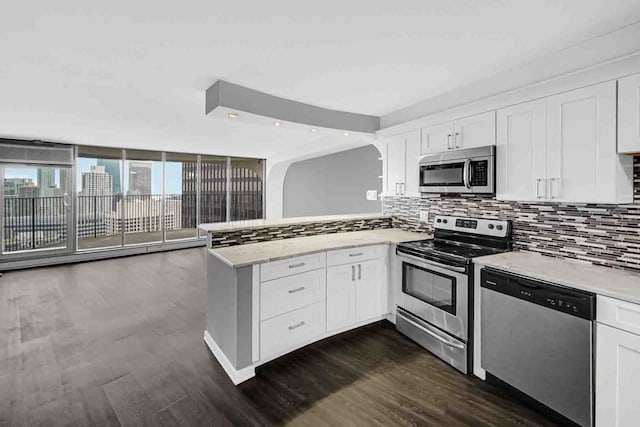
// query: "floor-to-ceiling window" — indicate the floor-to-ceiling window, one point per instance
point(213, 189)
point(246, 188)
point(99, 196)
point(181, 196)
point(142, 214)
point(117, 198)
point(36, 212)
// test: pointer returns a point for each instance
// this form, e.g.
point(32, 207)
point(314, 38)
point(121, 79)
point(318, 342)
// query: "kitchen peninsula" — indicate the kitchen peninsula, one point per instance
point(268, 298)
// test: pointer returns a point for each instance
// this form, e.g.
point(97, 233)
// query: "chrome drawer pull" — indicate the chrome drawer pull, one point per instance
point(297, 325)
point(356, 254)
point(293, 291)
point(300, 264)
point(489, 282)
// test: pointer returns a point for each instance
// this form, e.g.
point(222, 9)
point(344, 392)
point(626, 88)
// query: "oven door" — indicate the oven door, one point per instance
point(436, 293)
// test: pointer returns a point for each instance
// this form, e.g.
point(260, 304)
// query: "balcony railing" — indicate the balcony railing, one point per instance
point(42, 222)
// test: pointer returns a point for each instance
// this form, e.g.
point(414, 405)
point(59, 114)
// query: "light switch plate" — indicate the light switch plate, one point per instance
point(372, 194)
point(424, 215)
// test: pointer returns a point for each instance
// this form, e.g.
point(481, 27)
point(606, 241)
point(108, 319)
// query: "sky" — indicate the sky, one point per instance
point(173, 171)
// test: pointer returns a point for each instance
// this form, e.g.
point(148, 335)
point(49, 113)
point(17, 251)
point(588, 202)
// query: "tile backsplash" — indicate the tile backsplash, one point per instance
point(279, 232)
point(606, 235)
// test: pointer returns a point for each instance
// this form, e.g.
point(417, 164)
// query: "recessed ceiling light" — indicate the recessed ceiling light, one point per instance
point(314, 130)
point(346, 134)
point(233, 115)
point(276, 124)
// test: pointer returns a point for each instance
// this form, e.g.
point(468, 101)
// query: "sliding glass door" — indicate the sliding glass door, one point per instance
point(37, 209)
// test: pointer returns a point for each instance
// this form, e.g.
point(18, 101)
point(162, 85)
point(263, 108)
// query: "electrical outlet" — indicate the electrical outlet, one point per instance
point(372, 194)
point(424, 215)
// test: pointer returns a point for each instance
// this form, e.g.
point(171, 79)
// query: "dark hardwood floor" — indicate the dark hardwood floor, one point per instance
point(120, 342)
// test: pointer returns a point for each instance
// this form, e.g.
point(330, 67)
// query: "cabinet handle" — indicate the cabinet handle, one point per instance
point(353, 273)
point(359, 271)
point(300, 264)
point(551, 187)
point(293, 291)
point(455, 140)
point(538, 181)
point(448, 141)
point(356, 254)
point(297, 325)
point(397, 192)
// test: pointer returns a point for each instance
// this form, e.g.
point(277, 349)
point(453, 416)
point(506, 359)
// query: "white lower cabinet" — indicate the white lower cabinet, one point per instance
point(355, 293)
point(369, 292)
point(297, 309)
point(617, 377)
point(291, 330)
point(341, 296)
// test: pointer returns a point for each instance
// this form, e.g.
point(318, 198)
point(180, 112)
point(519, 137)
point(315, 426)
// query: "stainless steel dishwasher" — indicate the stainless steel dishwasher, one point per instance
point(537, 338)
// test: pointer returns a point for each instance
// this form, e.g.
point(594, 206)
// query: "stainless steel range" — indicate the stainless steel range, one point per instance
point(435, 305)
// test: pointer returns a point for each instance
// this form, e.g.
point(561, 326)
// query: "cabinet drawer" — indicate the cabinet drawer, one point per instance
point(291, 330)
point(289, 266)
point(352, 255)
point(292, 292)
point(619, 314)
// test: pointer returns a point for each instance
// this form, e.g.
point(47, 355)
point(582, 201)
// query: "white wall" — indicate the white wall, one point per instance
point(333, 184)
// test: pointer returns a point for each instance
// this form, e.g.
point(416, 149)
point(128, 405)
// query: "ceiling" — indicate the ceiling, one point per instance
point(134, 73)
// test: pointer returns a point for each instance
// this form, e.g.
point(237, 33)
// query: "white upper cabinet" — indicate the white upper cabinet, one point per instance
point(629, 114)
point(403, 154)
point(583, 164)
point(412, 156)
point(437, 139)
point(469, 132)
point(396, 153)
point(475, 131)
point(521, 152)
point(563, 149)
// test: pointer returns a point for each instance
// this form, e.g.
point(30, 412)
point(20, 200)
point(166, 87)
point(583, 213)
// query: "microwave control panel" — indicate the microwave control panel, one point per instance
point(479, 173)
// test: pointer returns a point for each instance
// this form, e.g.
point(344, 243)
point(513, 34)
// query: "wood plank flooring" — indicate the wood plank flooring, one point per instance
point(119, 342)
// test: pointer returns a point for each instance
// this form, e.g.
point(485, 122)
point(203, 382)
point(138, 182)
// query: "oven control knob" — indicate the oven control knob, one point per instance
point(499, 227)
point(490, 226)
point(439, 220)
point(444, 220)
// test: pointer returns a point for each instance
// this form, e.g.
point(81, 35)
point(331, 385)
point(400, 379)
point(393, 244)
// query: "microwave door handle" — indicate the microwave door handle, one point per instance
point(466, 174)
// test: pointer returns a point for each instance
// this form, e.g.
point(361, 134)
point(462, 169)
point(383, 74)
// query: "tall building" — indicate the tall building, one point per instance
point(20, 187)
point(97, 182)
point(47, 182)
point(139, 177)
point(112, 167)
point(246, 191)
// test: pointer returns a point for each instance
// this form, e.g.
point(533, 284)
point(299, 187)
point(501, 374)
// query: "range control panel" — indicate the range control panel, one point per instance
point(487, 227)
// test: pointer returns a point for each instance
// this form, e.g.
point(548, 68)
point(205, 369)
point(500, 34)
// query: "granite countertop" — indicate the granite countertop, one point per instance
point(256, 253)
point(260, 223)
point(605, 281)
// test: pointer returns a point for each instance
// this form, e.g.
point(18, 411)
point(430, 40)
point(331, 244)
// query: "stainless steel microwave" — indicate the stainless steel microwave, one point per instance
point(462, 171)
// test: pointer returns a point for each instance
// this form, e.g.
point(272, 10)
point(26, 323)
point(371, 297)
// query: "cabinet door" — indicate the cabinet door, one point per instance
point(341, 296)
point(582, 159)
point(629, 114)
point(475, 131)
point(617, 377)
point(437, 139)
point(521, 152)
point(412, 156)
point(396, 154)
point(369, 290)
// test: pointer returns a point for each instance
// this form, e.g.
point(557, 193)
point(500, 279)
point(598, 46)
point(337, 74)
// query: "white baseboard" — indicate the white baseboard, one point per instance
point(236, 376)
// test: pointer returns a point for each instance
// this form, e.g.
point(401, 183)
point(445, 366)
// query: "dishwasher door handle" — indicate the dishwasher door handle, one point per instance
point(433, 334)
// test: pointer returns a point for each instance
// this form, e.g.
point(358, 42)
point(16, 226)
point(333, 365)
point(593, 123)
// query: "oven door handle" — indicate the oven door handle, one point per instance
point(435, 264)
point(466, 173)
point(433, 334)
